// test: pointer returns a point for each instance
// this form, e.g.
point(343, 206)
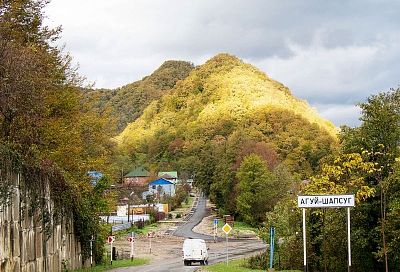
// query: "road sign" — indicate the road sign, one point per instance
point(130, 239)
point(215, 222)
point(325, 201)
point(111, 239)
point(151, 234)
point(226, 228)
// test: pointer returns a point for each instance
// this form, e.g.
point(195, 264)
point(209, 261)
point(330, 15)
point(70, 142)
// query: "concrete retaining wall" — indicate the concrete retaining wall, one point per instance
point(24, 245)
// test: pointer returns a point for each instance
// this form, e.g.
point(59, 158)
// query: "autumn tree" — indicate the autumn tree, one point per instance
point(258, 189)
point(378, 137)
point(41, 117)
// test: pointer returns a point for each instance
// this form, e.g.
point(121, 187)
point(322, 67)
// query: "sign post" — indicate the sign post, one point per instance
point(348, 239)
point(304, 241)
point(110, 240)
point(215, 228)
point(271, 246)
point(326, 201)
point(131, 239)
point(150, 235)
point(226, 228)
point(91, 251)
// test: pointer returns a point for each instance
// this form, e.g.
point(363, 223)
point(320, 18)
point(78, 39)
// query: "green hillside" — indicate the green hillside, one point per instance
point(222, 112)
point(125, 104)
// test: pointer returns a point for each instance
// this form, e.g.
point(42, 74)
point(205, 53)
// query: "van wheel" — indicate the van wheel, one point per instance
point(185, 263)
point(206, 262)
point(201, 262)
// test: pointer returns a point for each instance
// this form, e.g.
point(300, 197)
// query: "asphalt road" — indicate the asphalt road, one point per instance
point(217, 252)
point(185, 229)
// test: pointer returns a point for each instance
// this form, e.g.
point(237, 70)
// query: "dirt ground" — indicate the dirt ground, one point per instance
point(164, 245)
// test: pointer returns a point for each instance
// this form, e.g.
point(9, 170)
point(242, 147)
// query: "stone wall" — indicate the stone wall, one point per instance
point(24, 245)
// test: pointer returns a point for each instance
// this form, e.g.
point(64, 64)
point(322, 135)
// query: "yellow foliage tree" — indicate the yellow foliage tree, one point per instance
point(347, 174)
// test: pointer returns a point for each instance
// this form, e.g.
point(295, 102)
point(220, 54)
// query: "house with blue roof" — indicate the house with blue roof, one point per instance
point(160, 187)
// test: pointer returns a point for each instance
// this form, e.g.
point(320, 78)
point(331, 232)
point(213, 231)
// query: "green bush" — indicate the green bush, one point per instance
point(260, 261)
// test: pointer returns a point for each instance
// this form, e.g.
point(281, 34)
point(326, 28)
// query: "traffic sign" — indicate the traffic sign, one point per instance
point(325, 201)
point(111, 239)
point(226, 228)
point(130, 239)
point(151, 234)
point(215, 222)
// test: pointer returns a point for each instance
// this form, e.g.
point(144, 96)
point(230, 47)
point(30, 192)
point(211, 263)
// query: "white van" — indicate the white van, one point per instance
point(195, 250)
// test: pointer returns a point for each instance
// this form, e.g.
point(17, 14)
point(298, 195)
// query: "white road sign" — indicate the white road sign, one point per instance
point(325, 201)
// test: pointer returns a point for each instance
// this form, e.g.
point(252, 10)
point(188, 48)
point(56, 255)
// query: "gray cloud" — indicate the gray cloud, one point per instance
point(331, 53)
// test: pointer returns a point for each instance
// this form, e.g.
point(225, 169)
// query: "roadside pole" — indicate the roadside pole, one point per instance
point(91, 252)
point(214, 232)
point(271, 247)
point(348, 238)
point(226, 228)
point(215, 229)
point(150, 235)
point(150, 243)
point(132, 240)
point(227, 254)
point(304, 241)
point(110, 240)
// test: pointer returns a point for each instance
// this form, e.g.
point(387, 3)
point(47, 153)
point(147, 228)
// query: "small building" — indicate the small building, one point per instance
point(171, 176)
point(161, 187)
point(138, 176)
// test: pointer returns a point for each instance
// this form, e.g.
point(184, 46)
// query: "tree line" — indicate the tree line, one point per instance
point(45, 131)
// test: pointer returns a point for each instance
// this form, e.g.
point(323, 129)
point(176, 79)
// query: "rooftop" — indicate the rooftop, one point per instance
point(138, 172)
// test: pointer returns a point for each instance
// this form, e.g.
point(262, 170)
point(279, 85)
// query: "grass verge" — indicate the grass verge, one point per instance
point(116, 264)
point(233, 266)
point(189, 203)
point(236, 266)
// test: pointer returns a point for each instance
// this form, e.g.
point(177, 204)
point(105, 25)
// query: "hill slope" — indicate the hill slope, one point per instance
point(126, 104)
point(223, 111)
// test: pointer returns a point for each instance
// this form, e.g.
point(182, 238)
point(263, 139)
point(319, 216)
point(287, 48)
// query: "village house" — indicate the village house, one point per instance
point(138, 176)
point(159, 188)
point(171, 176)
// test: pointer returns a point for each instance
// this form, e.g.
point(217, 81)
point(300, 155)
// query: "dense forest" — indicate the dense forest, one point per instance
point(247, 142)
point(124, 105)
point(222, 112)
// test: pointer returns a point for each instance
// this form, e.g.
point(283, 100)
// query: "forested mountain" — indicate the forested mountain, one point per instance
point(222, 112)
point(125, 104)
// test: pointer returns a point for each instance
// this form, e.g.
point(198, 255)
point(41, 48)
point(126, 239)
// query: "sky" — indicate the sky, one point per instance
point(334, 54)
